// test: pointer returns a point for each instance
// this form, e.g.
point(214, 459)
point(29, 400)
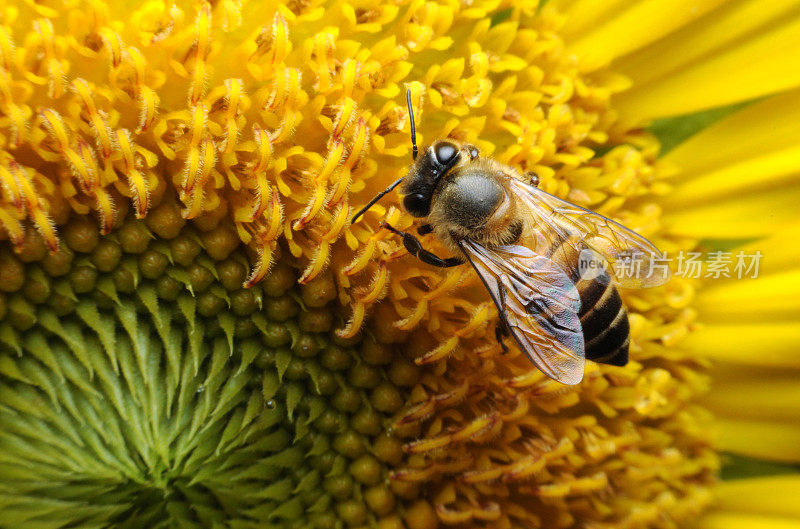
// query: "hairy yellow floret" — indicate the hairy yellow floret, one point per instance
point(209, 137)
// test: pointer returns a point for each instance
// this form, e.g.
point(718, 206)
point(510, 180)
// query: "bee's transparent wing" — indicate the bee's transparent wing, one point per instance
point(538, 303)
point(634, 261)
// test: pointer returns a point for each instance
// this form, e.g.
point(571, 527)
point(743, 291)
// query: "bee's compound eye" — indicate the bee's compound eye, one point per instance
point(445, 152)
point(417, 204)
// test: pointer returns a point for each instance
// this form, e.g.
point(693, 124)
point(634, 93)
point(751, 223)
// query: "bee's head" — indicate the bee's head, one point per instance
point(426, 172)
point(428, 169)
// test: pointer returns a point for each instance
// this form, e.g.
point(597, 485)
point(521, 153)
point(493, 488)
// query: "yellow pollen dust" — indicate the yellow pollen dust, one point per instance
point(285, 118)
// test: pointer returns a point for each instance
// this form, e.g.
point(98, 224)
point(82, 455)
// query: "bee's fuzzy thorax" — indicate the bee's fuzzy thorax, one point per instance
point(449, 217)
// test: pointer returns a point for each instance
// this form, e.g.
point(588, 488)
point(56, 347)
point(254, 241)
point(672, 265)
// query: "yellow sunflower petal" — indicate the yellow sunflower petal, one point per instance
point(703, 37)
point(762, 344)
point(758, 61)
point(740, 393)
point(582, 15)
point(738, 177)
point(773, 496)
point(768, 299)
point(749, 327)
point(743, 172)
point(724, 520)
point(763, 439)
point(737, 218)
point(753, 320)
point(773, 296)
point(603, 31)
point(760, 133)
point(781, 247)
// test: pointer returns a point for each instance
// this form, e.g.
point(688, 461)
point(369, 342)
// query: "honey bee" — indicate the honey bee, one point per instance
point(546, 263)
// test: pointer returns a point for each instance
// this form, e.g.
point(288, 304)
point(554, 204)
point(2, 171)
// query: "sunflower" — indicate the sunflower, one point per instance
point(192, 334)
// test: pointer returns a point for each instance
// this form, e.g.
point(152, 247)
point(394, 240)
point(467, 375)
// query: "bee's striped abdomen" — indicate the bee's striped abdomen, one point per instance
point(606, 333)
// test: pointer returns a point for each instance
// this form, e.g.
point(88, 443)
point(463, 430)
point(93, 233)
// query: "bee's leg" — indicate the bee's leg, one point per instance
point(501, 329)
point(533, 178)
point(415, 248)
point(501, 333)
point(425, 229)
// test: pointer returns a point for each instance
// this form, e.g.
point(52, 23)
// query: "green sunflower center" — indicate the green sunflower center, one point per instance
point(143, 387)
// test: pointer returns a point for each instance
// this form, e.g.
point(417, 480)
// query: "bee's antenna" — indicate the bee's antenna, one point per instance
point(396, 183)
point(413, 127)
point(375, 199)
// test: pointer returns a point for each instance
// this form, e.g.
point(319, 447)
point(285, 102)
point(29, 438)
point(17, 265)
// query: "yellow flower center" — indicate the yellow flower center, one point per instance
point(249, 133)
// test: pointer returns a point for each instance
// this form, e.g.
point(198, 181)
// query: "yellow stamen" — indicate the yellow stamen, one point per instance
point(138, 187)
point(266, 239)
point(113, 44)
point(148, 103)
point(56, 127)
point(35, 207)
